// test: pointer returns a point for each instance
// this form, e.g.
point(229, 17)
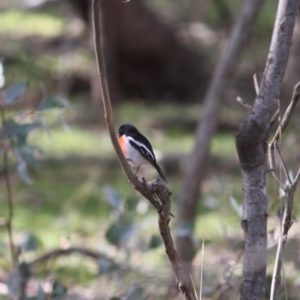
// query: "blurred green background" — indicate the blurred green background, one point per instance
point(78, 178)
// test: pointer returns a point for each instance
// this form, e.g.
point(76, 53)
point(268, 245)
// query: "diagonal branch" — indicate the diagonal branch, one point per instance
point(289, 189)
point(274, 142)
point(152, 190)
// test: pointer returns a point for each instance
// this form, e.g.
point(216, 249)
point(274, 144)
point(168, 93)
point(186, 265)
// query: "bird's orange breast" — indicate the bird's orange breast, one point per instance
point(122, 143)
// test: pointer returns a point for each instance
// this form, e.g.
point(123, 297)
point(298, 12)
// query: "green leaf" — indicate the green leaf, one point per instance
point(54, 101)
point(155, 241)
point(29, 242)
point(119, 234)
point(21, 131)
point(16, 277)
point(14, 92)
point(23, 172)
point(27, 153)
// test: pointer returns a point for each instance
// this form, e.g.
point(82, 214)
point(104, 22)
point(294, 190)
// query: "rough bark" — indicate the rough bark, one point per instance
point(251, 146)
point(223, 75)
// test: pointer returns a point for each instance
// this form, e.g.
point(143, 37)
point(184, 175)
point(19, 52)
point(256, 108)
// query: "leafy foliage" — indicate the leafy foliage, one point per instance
point(16, 126)
point(14, 92)
point(14, 130)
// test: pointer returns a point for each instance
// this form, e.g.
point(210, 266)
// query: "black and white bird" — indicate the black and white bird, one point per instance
point(137, 149)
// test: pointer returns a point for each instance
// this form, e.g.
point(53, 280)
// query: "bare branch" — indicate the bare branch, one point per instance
point(274, 143)
point(290, 189)
point(153, 190)
point(9, 220)
point(283, 164)
point(105, 94)
point(62, 252)
point(288, 113)
point(256, 84)
point(243, 102)
point(296, 180)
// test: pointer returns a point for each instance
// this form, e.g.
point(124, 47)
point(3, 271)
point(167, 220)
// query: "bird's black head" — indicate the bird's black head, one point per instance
point(127, 128)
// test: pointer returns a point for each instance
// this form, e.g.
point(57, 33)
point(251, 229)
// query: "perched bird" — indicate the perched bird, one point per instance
point(137, 149)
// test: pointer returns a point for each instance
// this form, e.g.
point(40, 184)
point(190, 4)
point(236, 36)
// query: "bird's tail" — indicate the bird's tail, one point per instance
point(159, 170)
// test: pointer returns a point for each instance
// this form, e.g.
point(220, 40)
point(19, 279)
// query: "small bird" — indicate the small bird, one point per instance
point(137, 149)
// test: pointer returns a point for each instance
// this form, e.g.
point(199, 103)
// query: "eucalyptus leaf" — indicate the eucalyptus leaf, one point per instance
point(27, 153)
point(155, 241)
point(14, 92)
point(29, 242)
point(21, 131)
point(23, 172)
point(16, 278)
point(54, 101)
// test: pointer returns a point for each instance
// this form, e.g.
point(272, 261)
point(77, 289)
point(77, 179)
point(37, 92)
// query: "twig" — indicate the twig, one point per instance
point(281, 127)
point(9, 220)
point(243, 102)
point(256, 84)
point(201, 271)
point(256, 87)
point(288, 113)
point(152, 191)
point(289, 189)
point(61, 252)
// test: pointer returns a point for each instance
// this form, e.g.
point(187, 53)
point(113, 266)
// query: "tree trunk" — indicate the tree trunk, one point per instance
point(251, 144)
point(223, 75)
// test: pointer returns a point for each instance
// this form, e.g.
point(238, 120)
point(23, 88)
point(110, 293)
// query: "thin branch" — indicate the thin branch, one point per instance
point(256, 87)
point(283, 164)
point(296, 180)
point(280, 129)
point(105, 93)
point(62, 252)
point(256, 84)
point(243, 102)
point(288, 113)
point(9, 220)
point(290, 189)
point(153, 190)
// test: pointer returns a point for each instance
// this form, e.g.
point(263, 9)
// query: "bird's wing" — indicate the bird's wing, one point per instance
point(144, 147)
